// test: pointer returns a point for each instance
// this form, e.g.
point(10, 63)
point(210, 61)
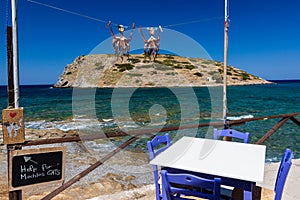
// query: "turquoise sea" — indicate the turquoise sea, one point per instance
point(128, 109)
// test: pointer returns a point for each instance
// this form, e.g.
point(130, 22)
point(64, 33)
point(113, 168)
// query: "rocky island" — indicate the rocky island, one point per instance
point(106, 71)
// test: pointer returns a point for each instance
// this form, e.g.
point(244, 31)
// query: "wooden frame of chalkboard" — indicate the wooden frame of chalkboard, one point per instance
point(36, 166)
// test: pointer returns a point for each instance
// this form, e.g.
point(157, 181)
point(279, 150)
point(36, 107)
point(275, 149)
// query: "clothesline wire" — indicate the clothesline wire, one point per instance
point(193, 22)
point(103, 21)
point(68, 11)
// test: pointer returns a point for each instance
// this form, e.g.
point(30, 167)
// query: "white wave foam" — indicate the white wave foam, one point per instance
point(75, 124)
point(272, 160)
point(130, 126)
point(103, 147)
point(240, 117)
point(39, 125)
point(107, 120)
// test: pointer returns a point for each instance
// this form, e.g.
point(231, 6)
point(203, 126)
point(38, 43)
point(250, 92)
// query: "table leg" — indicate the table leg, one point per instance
point(247, 195)
point(248, 192)
point(163, 192)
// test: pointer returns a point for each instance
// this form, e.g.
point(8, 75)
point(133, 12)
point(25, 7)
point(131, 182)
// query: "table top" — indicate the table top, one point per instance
point(222, 158)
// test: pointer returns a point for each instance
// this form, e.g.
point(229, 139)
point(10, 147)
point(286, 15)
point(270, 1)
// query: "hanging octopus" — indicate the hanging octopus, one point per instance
point(151, 46)
point(120, 43)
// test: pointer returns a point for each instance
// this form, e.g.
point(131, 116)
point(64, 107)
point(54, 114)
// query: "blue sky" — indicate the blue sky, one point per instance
point(263, 34)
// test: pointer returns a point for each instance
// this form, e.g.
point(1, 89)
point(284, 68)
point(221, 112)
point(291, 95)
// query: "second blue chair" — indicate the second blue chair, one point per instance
point(283, 170)
point(158, 144)
point(282, 173)
point(231, 133)
point(177, 186)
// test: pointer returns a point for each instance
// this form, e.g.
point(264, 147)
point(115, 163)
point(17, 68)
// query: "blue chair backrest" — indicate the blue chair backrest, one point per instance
point(282, 173)
point(156, 141)
point(231, 133)
point(189, 185)
point(158, 144)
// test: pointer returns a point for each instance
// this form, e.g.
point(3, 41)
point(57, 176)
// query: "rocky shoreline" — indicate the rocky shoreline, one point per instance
point(126, 171)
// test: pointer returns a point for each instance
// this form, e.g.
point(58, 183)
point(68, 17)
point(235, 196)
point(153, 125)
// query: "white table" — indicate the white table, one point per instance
point(238, 164)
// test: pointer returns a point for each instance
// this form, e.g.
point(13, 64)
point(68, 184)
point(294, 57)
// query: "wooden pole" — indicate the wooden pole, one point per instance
point(152, 131)
point(226, 125)
point(290, 115)
point(225, 64)
point(118, 134)
point(89, 169)
point(15, 52)
point(10, 82)
point(15, 195)
point(273, 130)
point(295, 121)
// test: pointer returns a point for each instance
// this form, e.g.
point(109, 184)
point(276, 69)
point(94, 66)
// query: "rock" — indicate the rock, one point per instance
point(129, 178)
point(104, 70)
point(3, 191)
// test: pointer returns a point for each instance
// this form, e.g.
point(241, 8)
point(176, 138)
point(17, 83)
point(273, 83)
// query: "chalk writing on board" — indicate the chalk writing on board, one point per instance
point(36, 168)
point(31, 171)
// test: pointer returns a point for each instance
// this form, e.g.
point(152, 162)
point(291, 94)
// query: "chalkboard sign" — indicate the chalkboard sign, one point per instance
point(35, 166)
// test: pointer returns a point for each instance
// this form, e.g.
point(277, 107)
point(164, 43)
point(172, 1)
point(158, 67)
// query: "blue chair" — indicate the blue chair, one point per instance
point(177, 186)
point(158, 144)
point(282, 173)
point(231, 133)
